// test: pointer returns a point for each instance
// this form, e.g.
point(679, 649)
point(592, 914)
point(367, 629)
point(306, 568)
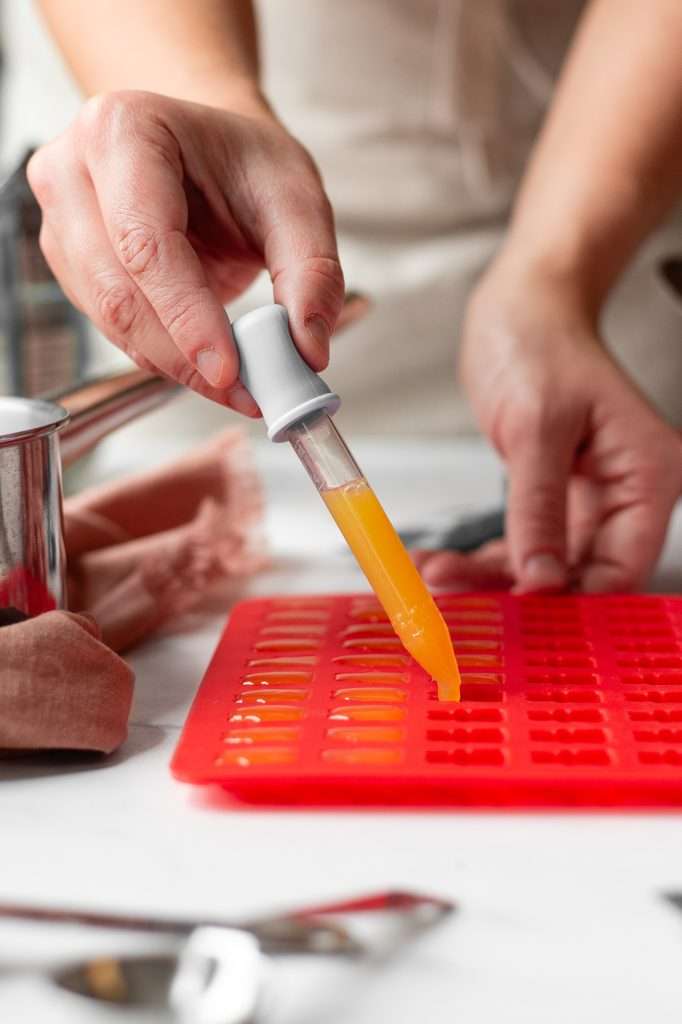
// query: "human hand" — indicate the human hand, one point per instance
point(593, 470)
point(156, 212)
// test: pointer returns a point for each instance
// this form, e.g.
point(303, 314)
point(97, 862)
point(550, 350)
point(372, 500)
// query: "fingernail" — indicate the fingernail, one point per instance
point(210, 365)
point(544, 572)
point(318, 331)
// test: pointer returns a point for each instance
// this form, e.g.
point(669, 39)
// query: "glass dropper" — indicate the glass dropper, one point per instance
point(296, 404)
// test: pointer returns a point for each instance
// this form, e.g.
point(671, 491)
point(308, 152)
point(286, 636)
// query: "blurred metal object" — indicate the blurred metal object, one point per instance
point(42, 336)
point(215, 978)
point(216, 975)
point(296, 932)
point(301, 930)
point(32, 571)
point(468, 534)
point(97, 407)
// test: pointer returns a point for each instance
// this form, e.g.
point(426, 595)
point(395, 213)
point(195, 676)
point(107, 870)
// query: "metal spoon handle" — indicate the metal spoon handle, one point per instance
point(297, 930)
point(276, 934)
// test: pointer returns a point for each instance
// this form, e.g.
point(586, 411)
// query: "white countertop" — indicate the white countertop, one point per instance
point(560, 914)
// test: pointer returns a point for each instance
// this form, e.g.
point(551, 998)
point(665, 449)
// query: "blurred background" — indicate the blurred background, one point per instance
point(44, 344)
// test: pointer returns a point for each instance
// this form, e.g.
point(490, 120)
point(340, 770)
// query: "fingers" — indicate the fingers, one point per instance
point(631, 531)
point(487, 568)
point(626, 546)
point(301, 255)
point(80, 254)
point(137, 174)
point(539, 466)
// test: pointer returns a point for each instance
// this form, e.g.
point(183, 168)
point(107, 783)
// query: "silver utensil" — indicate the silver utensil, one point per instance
point(215, 978)
point(216, 975)
point(34, 437)
point(303, 930)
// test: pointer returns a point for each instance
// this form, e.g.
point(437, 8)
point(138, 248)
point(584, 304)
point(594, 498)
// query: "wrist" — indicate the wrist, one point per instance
point(582, 246)
point(238, 95)
point(234, 93)
point(526, 276)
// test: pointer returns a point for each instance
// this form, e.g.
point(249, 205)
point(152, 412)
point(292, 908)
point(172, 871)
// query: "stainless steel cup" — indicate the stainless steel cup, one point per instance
point(35, 437)
point(32, 561)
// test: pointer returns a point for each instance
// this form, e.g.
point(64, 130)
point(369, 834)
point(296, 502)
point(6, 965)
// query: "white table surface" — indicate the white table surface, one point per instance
point(560, 917)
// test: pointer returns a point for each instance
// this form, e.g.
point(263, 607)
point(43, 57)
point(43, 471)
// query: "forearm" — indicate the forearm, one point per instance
point(204, 51)
point(608, 164)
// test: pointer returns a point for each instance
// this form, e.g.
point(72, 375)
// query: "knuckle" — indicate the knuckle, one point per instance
point(111, 118)
point(41, 177)
point(328, 269)
point(117, 308)
point(182, 316)
point(107, 110)
point(46, 242)
point(532, 417)
point(137, 246)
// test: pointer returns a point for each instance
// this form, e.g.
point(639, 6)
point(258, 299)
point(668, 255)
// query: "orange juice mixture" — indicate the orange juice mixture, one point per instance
point(396, 582)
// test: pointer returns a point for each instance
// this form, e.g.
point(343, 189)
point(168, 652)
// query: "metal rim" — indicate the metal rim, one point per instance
point(32, 417)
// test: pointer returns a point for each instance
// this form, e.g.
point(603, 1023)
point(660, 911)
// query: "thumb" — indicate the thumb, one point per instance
point(301, 255)
point(536, 512)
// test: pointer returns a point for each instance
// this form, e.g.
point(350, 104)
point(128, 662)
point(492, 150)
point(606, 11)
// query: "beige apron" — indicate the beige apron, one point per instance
point(421, 115)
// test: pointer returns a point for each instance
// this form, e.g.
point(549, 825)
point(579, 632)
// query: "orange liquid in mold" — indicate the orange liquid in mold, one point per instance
point(371, 678)
point(271, 696)
point(487, 662)
point(277, 680)
point(274, 664)
point(372, 694)
point(298, 645)
point(262, 735)
point(366, 734)
point(368, 713)
point(371, 660)
point(256, 757)
point(373, 643)
point(484, 678)
point(396, 582)
point(267, 713)
point(365, 629)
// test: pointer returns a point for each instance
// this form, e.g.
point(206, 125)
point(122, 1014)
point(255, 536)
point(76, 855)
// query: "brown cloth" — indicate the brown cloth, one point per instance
point(140, 551)
point(61, 688)
point(145, 549)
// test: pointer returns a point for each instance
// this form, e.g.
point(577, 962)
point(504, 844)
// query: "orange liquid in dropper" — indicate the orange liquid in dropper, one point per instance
point(396, 582)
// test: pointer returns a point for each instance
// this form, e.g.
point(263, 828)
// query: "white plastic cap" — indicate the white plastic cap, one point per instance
point(274, 373)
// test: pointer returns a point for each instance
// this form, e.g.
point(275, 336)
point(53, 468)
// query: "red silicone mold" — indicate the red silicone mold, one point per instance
point(565, 701)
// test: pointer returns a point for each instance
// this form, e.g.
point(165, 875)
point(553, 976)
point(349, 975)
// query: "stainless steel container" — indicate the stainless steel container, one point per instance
point(32, 563)
point(34, 437)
